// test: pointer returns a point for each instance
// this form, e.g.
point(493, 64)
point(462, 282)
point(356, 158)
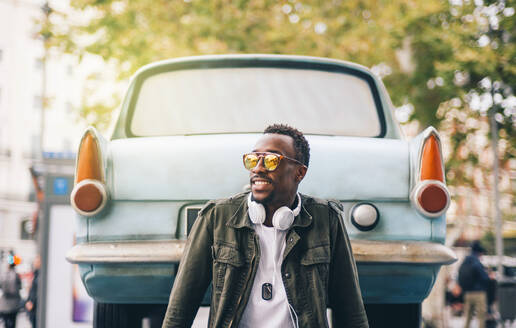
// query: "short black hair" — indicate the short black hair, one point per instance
point(476, 247)
point(300, 143)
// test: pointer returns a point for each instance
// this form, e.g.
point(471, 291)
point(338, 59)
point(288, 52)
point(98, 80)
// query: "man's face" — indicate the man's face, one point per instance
point(278, 187)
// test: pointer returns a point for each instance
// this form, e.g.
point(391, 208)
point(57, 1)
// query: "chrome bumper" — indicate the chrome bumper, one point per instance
point(127, 252)
point(409, 252)
point(365, 251)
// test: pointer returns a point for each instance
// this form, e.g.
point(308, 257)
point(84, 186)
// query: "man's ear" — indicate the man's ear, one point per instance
point(300, 173)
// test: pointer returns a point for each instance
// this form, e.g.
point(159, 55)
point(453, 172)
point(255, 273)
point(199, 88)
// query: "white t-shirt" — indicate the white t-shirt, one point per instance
point(274, 312)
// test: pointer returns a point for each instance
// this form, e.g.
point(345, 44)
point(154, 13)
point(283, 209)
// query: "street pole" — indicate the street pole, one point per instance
point(42, 239)
point(46, 36)
point(496, 196)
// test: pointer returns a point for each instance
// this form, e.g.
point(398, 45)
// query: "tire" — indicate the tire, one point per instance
point(108, 315)
point(394, 315)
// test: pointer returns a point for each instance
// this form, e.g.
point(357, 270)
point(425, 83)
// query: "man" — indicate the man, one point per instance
point(275, 258)
point(10, 284)
point(32, 299)
point(473, 279)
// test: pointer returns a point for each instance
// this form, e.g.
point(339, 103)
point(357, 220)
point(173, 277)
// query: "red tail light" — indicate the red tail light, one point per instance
point(433, 198)
point(89, 194)
point(430, 195)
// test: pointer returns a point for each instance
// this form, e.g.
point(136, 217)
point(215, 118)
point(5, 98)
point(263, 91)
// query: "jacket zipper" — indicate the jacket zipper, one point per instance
point(250, 274)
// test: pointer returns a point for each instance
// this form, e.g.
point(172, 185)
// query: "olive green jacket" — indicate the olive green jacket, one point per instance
point(318, 267)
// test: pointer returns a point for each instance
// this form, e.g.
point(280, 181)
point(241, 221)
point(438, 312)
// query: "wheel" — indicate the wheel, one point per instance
point(394, 315)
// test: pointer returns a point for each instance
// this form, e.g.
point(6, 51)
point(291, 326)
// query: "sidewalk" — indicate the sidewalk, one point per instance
point(22, 321)
point(458, 322)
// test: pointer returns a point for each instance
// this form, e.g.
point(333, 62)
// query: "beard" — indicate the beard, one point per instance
point(266, 200)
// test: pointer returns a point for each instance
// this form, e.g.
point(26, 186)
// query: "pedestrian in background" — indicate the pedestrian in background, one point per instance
point(32, 300)
point(10, 283)
point(473, 279)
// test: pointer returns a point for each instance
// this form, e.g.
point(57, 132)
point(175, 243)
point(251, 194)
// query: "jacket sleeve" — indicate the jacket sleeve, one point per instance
point(193, 275)
point(345, 297)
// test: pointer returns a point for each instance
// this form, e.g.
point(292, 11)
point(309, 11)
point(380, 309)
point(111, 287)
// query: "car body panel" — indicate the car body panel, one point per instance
point(129, 283)
point(166, 220)
point(141, 220)
point(210, 167)
point(151, 283)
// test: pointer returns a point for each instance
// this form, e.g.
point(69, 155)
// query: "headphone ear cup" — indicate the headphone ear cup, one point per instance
point(256, 212)
point(283, 218)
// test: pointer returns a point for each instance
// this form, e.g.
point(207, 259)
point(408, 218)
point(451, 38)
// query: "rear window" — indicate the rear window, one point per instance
point(242, 100)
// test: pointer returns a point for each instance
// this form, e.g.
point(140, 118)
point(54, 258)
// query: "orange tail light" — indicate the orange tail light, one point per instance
point(88, 162)
point(431, 162)
point(431, 196)
point(89, 194)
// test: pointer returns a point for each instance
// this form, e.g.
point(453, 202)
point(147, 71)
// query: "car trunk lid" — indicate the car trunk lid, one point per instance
point(203, 167)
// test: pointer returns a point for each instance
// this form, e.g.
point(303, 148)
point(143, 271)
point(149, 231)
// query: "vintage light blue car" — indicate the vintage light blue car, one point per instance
point(183, 127)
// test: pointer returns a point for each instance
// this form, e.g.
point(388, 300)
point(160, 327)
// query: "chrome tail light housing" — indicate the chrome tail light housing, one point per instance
point(430, 195)
point(89, 195)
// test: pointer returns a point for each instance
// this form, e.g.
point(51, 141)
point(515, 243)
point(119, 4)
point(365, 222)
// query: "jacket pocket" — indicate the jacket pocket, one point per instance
point(316, 263)
point(227, 254)
point(227, 262)
point(316, 255)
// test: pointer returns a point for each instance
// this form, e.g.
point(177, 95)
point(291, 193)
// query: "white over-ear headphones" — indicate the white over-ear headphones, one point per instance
point(282, 218)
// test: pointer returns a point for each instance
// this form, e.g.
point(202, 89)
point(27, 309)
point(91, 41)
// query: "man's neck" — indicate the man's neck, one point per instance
point(270, 209)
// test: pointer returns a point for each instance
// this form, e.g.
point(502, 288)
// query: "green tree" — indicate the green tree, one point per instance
point(477, 78)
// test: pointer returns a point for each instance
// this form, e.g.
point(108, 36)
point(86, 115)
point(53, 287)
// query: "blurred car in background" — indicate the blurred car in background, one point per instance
point(183, 127)
point(504, 292)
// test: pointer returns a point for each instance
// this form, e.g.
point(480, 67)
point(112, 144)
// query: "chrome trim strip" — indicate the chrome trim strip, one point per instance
point(409, 252)
point(170, 251)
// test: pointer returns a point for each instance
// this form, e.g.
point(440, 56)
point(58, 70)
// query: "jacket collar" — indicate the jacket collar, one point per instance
point(240, 218)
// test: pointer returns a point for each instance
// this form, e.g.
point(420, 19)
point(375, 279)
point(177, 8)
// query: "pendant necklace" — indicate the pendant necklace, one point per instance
point(267, 291)
point(267, 287)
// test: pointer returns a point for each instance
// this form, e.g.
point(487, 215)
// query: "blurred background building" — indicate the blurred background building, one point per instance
point(37, 84)
point(21, 104)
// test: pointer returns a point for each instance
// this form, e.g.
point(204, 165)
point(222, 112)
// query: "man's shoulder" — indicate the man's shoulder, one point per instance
point(471, 258)
point(310, 201)
point(234, 201)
